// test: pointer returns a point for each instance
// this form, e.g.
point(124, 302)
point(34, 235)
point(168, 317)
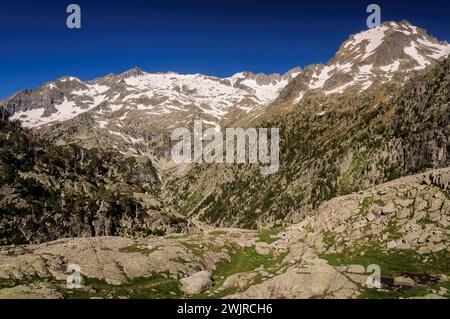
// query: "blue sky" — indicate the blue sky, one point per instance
point(213, 37)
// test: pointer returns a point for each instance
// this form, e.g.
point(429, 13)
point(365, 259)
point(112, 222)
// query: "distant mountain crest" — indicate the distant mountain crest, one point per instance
point(154, 93)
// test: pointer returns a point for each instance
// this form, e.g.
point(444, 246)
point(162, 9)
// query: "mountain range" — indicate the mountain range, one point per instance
point(133, 109)
point(363, 178)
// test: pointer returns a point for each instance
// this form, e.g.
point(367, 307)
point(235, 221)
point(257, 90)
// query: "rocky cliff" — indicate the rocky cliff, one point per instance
point(49, 192)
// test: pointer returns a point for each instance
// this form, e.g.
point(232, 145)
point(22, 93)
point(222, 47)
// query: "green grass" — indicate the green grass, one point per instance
point(137, 249)
point(392, 263)
point(393, 230)
point(381, 294)
point(11, 283)
point(409, 293)
point(194, 248)
point(4, 283)
point(426, 221)
point(270, 235)
point(157, 286)
point(369, 202)
point(244, 260)
point(247, 259)
point(329, 239)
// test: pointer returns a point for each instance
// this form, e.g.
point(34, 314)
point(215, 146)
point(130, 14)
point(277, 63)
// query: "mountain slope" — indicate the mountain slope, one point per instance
point(49, 192)
point(135, 112)
point(328, 148)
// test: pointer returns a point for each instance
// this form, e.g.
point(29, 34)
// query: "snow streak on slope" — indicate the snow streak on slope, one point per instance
point(370, 40)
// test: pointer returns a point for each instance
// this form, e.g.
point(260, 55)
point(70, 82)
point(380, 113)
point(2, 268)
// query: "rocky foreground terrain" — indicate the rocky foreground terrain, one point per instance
point(403, 226)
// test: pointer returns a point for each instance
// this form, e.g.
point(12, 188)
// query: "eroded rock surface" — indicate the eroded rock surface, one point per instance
point(402, 227)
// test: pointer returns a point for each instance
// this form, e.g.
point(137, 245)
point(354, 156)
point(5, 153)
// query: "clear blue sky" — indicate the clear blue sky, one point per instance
point(213, 37)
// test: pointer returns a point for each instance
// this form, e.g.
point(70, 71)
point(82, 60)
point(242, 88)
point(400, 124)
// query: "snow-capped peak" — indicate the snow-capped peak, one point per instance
point(394, 49)
point(392, 40)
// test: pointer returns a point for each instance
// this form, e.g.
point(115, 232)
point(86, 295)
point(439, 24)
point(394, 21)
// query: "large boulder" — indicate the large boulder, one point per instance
point(401, 281)
point(197, 283)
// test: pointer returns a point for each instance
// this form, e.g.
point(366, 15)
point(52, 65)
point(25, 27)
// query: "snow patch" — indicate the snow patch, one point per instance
point(30, 118)
point(414, 53)
point(366, 69)
point(373, 39)
point(340, 89)
point(268, 92)
point(391, 67)
point(299, 97)
point(319, 79)
point(102, 124)
point(127, 138)
point(439, 50)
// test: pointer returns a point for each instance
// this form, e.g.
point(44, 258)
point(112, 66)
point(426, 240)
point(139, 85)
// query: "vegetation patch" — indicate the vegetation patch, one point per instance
point(244, 260)
point(392, 263)
point(138, 249)
point(157, 286)
point(270, 235)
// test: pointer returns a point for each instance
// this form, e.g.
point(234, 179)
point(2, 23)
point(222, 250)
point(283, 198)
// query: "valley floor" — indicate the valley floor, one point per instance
point(401, 226)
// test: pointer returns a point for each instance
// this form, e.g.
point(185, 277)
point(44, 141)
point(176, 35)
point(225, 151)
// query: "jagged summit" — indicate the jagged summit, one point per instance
point(393, 42)
point(134, 72)
point(372, 57)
